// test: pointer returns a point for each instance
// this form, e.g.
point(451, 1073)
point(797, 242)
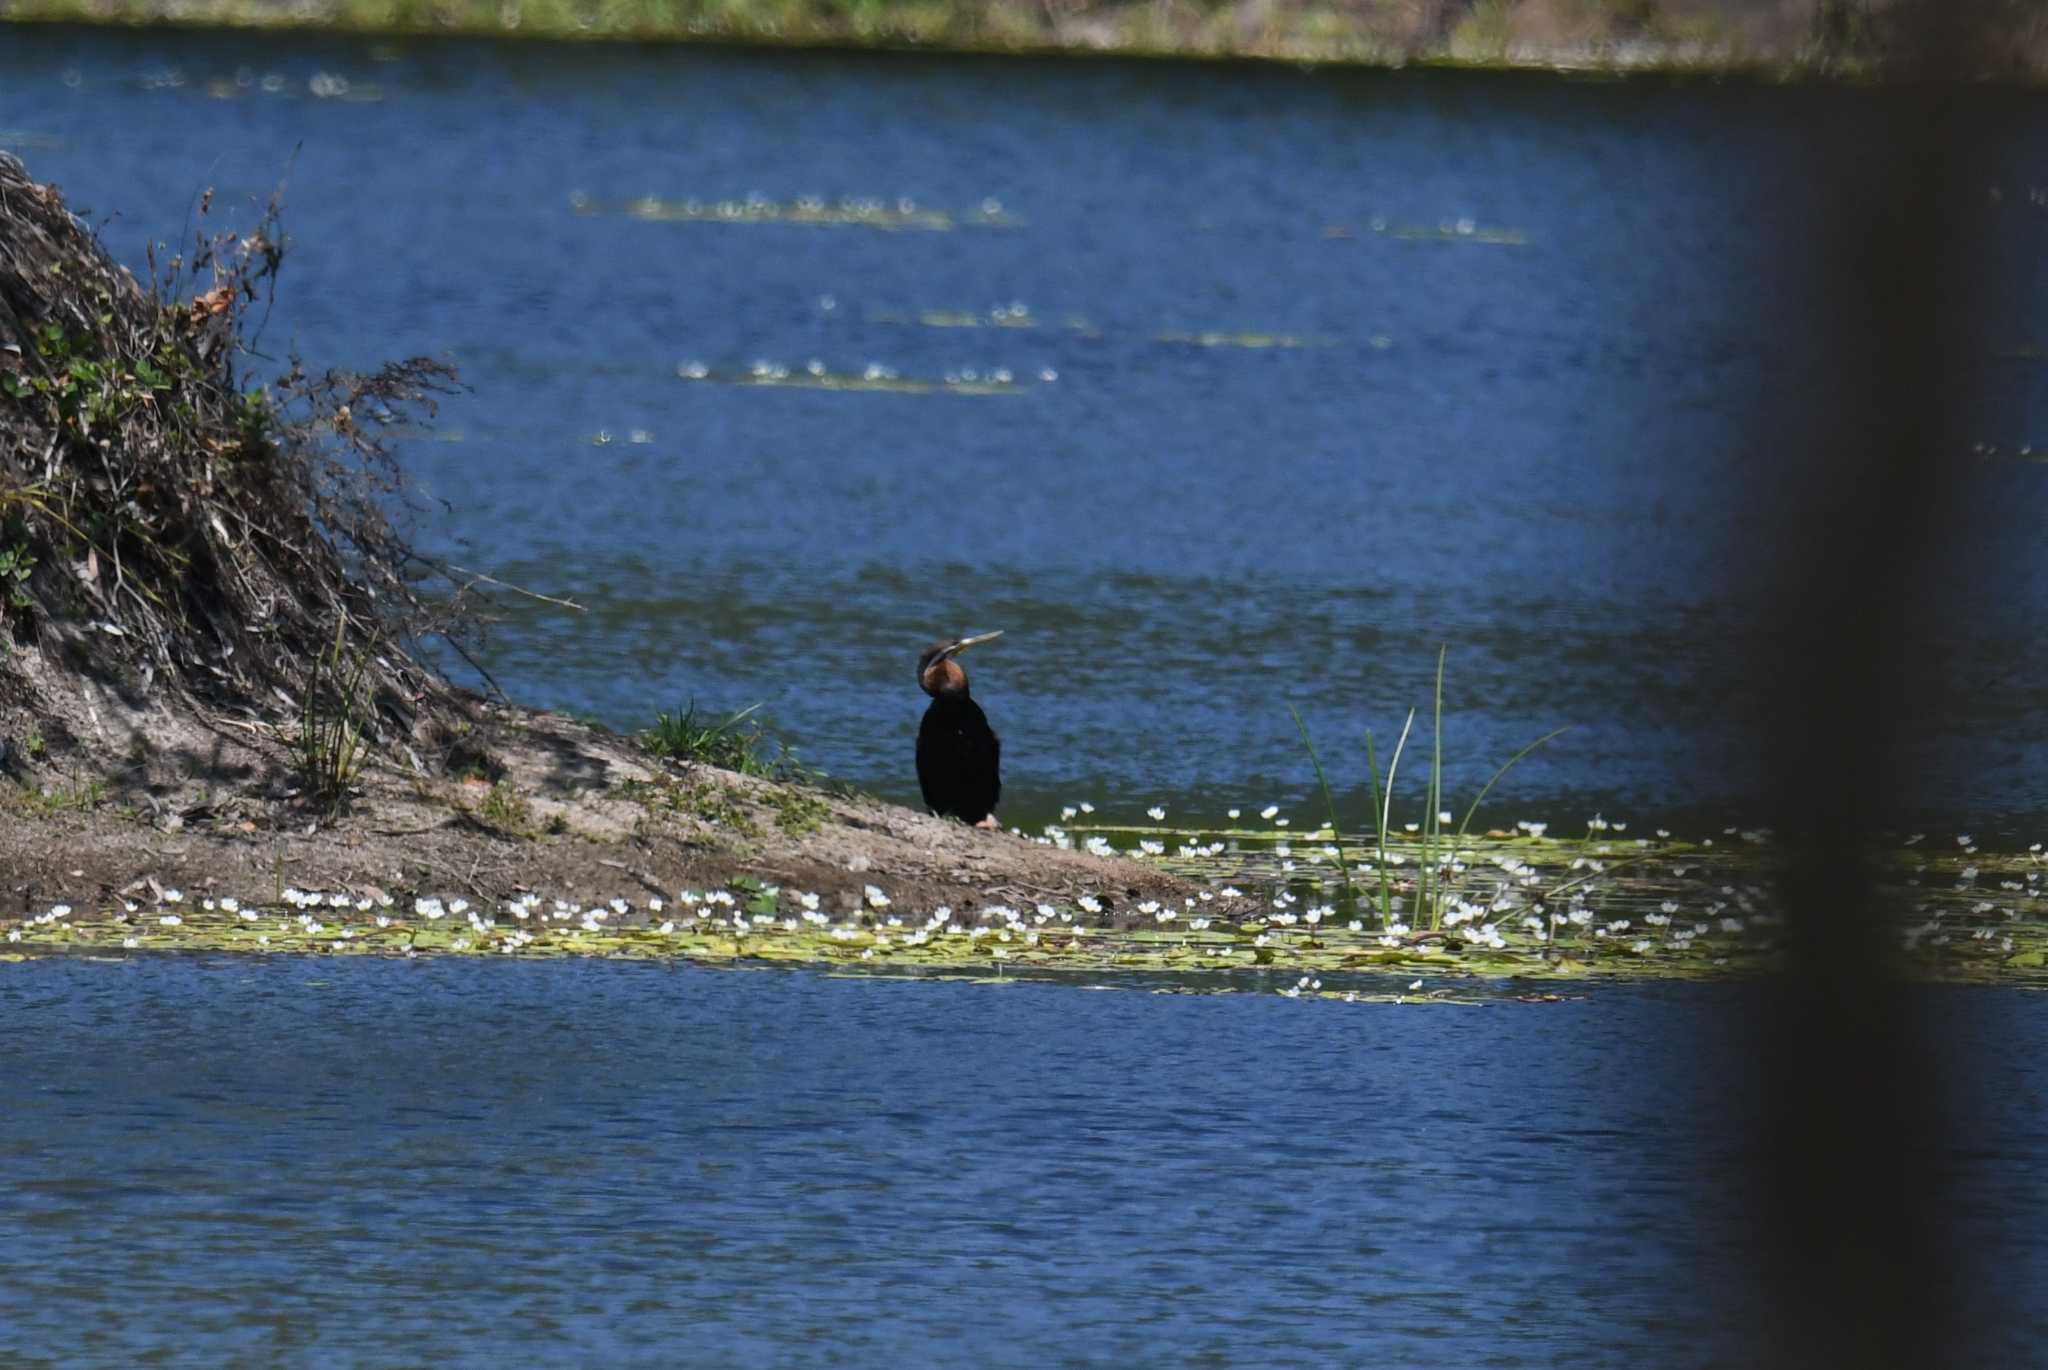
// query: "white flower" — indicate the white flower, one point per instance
point(1269, 811)
point(1155, 813)
point(1233, 813)
point(170, 920)
point(876, 898)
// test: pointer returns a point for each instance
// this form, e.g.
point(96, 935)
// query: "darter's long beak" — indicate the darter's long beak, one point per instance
point(964, 643)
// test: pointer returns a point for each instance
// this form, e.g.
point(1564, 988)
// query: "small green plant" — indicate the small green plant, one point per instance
point(707, 802)
point(16, 563)
point(506, 809)
point(35, 743)
point(731, 744)
point(1437, 848)
point(331, 740)
point(798, 809)
point(82, 797)
point(1484, 33)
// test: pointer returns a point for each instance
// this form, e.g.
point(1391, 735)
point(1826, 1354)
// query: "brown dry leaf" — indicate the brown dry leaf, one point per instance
point(216, 301)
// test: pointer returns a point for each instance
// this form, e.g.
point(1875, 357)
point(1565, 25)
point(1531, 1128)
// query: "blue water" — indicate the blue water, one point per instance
point(1568, 456)
point(463, 1162)
point(578, 1162)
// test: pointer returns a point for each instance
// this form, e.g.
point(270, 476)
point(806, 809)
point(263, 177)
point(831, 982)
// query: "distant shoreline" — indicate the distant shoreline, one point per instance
point(1736, 38)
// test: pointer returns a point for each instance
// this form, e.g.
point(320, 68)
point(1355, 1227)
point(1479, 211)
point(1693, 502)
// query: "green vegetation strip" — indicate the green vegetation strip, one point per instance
point(1519, 905)
point(1813, 37)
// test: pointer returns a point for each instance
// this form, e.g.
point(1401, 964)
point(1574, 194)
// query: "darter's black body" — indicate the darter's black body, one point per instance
point(959, 757)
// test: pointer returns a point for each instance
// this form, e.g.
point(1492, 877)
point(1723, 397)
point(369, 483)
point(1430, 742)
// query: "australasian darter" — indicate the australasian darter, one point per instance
point(958, 754)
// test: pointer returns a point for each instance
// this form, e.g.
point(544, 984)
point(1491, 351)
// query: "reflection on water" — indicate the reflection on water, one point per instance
point(1289, 378)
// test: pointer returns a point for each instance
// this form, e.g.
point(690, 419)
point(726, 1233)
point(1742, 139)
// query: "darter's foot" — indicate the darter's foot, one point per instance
point(990, 823)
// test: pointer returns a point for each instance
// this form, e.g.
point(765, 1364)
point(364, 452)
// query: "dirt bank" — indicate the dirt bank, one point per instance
point(507, 802)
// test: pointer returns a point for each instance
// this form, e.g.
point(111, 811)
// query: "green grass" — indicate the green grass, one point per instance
point(332, 743)
point(82, 797)
point(505, 809)
point(1436, 850)
point(735, 743)
point(799, 809)
point(706, 801)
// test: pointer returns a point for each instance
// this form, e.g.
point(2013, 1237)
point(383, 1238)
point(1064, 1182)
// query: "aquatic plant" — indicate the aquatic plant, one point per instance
point(1437, 851)
point(1615, 906)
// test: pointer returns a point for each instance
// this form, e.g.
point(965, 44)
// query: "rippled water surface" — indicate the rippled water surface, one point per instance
point(1296, 376)
point(457, 1162)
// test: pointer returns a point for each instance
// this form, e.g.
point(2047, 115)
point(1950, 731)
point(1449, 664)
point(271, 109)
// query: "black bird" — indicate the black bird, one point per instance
point(958, 754)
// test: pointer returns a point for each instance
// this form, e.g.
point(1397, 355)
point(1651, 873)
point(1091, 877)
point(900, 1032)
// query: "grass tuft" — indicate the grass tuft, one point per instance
point(1437, 850)
point(505, 809)
point(331, 739)
point(731, 744)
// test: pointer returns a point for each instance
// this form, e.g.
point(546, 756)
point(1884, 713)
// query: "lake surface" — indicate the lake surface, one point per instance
point(220, 1161)
point(1313, 373)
